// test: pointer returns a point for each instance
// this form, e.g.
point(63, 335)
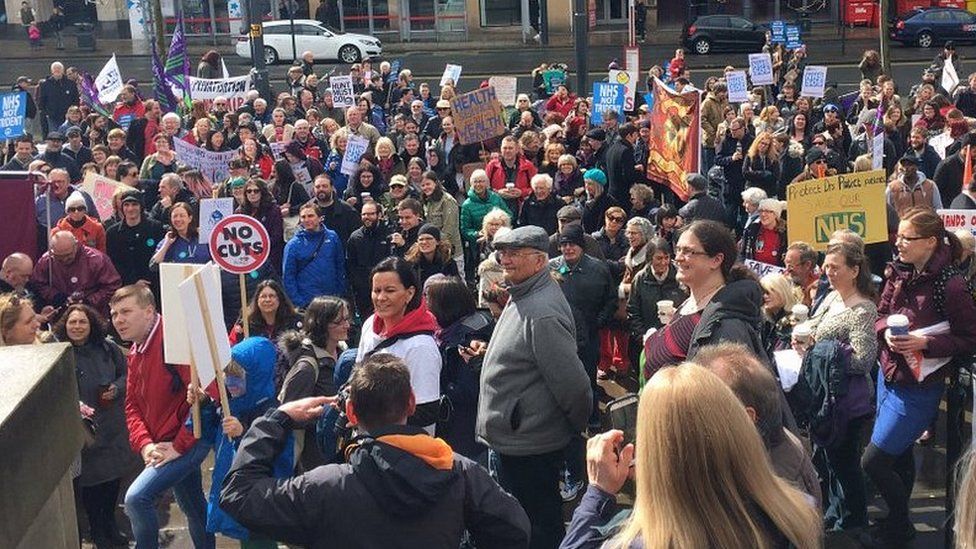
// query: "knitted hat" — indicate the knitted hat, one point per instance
point(236, 182)
point(428, 229)
point(75, 200)
point(596, 175)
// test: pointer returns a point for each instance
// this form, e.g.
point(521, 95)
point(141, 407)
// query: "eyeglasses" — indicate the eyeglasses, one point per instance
point(77, 209)
point(903, 238)
point(340, 321)
point(821, 161)
point(818, 143)
point(681, 251)
point(615, 218)
point(252, 191)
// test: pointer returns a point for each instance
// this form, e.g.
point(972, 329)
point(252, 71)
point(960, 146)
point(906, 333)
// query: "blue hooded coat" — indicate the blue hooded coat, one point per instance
point(308, 273)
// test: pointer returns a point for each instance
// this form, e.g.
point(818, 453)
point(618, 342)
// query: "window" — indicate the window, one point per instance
point(739, 23)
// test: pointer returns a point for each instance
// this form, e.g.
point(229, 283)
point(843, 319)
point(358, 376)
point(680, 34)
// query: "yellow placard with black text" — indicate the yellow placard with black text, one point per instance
point(818, 207)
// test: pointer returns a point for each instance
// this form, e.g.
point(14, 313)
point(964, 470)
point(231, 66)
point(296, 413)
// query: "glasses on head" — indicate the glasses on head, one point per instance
point(684, 251)
point(77, 209)
point(903, 238)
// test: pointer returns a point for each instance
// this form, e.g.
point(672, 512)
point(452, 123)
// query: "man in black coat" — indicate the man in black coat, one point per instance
point(55, 95)
point(948, 174)
point(57, 159)
point(400, 487)
point(621, 165)
point(730, 156)
point(367, 246)
point(336, 213)
point(700, 205)
point(132, 242)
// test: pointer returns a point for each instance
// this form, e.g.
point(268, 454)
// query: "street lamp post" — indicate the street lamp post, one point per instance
point(580, 28)
point(256, 32)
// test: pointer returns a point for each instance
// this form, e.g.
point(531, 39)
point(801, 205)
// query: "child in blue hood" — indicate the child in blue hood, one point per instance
point(250, 388)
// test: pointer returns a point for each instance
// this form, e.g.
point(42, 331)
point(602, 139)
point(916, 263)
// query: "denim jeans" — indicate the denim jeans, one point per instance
point(183, 476)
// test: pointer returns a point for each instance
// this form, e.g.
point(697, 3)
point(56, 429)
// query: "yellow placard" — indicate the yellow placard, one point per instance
point(818, 207)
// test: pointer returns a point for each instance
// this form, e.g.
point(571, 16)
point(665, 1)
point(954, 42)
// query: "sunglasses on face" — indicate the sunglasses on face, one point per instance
point(76, 209)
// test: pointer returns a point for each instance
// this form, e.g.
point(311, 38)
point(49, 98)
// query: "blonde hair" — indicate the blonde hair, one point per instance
point(11, 306)
point(496, 214)
point(703, 474)
point(964, 525)
point(779, 284)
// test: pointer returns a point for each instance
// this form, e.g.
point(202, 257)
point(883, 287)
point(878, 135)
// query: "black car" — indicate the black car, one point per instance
point(723, 32)
point(930, 26)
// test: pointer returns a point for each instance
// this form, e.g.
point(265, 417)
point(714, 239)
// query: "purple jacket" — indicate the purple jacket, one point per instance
point(914, 296)
point(91, 274)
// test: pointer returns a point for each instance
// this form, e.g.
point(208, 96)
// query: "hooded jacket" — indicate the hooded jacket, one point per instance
point(733, 314)
point(535, 395)
point(308, 273)
point(475, 208)
point(645, 291)
point(400, 488)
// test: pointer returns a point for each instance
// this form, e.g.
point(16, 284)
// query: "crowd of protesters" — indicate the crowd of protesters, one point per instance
point(481, 292)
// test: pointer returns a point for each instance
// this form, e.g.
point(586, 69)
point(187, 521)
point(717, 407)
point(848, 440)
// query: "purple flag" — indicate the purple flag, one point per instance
point(177, 69)
point(89, 94)
point(161, 90)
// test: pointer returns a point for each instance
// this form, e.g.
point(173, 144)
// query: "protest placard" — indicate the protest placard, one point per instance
point(101, 189)
point(452, 74)
point(506, 88)
point(13, 110)
point(959, 219)
point(854, 201)
point(176, 346)
point(632, 58)
point(109, 82)
point(761, 69)
point(777, 31)
point(628, 79)
point(213, 165)
point(814, 81)
point(206, 334)
point(761, 269)
point(553, 78)
point(356, 146)
point(738, 86)
point(342, 91)
point(607, 97)
point(877, 151)
point(478, 116)
point(793, 37)
point(212, 210)
point(233, 89)
point(949, 77)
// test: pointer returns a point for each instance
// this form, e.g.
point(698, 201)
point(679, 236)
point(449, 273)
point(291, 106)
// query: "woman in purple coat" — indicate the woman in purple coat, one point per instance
point(261, 205)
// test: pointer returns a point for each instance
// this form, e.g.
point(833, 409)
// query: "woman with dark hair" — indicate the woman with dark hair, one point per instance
point(181, 244)
point(723, 305)
point(402, 326)
point(101, 373)
point(269, 314)
point(312, 354)
point(666, 224)
point(253, 152)
point(197, 184)
point(161, 162)
point(800, 129)
point(261, 205)
point(416, 168)
point(923, 285)
point(217, 142)
point(368, 182)
point(431, 254)
point(287, 191)
point(442, 211)
point(209, 66)
point(304, 167)
point(462, 340)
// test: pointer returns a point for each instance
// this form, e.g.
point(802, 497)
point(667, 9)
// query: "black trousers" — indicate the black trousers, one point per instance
point(534, 481)
point(100, 502)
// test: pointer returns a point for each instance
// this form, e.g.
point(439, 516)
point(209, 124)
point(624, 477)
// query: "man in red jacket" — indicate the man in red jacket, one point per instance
point(511, 174)
point(155, 411)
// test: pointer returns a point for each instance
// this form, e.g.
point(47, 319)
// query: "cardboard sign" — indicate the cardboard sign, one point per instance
point(814, 81)
point(553, 78)
point(853, 201)
point(949, 77)
point(793, 37)
point(101, 189)
point(761, 69)
point(777, 31)
point(737, 86)
point(607, 97)
point(478, 116)
point(629, 80)
point(13, 111)
point(959, 219)
point(213, 165)
point(877, 151)
point(212, 211)
point(342, 91)
point(203, 313)
point(233, 89)
point(452, 74)
point(176, 346)
point(239, 244)
point(356, 146)
point(506, 88)
point(762, 269)
point(109, 82)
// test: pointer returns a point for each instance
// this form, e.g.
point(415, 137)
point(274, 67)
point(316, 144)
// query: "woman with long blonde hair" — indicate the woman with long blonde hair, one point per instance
point(965, 515)
point(702, 473)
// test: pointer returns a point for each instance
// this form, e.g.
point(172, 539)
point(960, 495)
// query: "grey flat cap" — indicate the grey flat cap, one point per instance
point(529, 236)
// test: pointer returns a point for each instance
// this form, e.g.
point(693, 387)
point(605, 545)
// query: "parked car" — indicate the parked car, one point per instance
point(930, 26)
point(710, 33)
point(310, 35)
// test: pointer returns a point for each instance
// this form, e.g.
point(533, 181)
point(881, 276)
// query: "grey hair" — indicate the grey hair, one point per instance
point(754, 195)
point(643, 225)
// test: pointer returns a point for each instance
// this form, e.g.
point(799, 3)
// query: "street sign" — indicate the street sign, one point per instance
point(239, 244)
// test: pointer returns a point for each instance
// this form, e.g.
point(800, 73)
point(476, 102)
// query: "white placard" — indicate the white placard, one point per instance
point(109, 82)
point(342, 91)
point(629, 79)
point(506, 88)
point(959, 219)
point(176, 347)
point(814, 81)
point(788, 364)
point(877, 151)
point(761, 69)
point(204, 318)
point(212, 210)
point(356, 146)
point(452, 74)
point(949, 77)
point(737, 86)
point(762, 269)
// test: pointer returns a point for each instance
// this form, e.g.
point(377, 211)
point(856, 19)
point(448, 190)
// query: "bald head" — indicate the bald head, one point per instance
point(16, 270)
point(63, 247)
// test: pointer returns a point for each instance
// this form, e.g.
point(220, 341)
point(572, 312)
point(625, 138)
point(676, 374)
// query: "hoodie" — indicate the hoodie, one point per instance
point(734, 314)
point(400, 488)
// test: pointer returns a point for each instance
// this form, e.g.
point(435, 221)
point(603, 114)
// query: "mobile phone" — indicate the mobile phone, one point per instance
point(623, 416)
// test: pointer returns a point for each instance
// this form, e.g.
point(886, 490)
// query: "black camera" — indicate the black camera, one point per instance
point(342, 428)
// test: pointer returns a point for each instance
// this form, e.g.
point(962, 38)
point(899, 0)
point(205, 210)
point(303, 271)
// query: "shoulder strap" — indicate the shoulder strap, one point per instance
point(311, 258)
point(391, 340)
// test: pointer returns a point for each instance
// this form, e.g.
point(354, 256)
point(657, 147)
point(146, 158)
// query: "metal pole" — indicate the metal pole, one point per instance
point(544, 22)
point(291, 17)
point(256, 31)
point(580, 23)
point(883, 33)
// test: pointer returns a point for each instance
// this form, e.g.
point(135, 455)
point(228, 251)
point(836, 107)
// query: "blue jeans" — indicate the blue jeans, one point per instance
point(183, 476)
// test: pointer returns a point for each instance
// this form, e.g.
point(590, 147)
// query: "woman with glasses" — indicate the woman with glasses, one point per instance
point(161, 162)
point(922, 285)
point(261, 205)
point(766, 240)
point(612, 240)
point(87, 229)
point(431, 254)
point(270, 313)
point(724, 302)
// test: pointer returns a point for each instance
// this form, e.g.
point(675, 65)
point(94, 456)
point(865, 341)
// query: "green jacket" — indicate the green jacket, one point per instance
point(444, 215)
point(474, 210)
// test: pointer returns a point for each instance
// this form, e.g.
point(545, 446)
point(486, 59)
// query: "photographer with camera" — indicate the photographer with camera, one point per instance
point(398, 487)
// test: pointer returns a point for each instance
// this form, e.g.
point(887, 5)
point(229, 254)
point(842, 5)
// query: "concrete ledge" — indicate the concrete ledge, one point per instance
point(40, 436)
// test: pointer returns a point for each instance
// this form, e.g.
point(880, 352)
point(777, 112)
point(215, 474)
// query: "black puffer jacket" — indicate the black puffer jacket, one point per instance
point(645, 291)
point(733, 314)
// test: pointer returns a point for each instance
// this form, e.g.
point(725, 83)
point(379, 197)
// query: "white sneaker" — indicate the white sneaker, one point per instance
point(537, 38)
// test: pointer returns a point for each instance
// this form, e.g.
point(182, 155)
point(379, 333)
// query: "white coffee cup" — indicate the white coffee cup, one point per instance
point(800, 312)
point(898, 325)
point(802, 333)
point(509, 185)
point(665, 311)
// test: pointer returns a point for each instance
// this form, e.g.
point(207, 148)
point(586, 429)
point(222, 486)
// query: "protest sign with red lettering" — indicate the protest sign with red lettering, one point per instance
point(239, 244)
point(959, 219)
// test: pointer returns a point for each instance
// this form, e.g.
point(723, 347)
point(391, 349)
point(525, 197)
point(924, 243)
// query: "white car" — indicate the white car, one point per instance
point(310, 35)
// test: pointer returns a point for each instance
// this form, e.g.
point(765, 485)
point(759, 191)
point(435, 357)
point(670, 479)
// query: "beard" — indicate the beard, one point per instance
point(323, 197)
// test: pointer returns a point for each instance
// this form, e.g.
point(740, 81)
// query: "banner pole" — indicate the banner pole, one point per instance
point(214, 356)
point(244, 307)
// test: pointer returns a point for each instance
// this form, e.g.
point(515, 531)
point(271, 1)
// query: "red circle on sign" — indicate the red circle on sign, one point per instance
point(239, 244)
